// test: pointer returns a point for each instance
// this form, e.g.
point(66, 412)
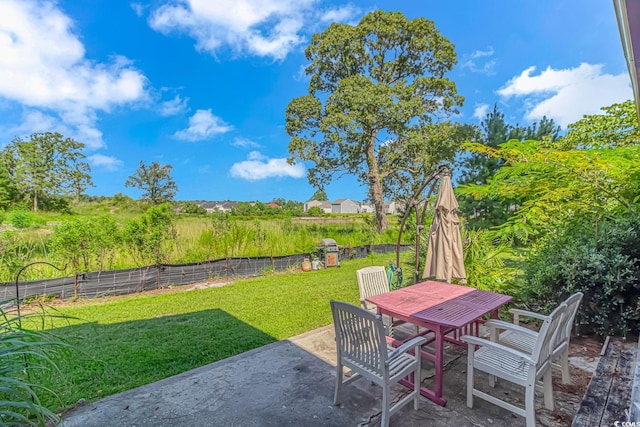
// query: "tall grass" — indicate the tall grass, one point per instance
point(199, 238)
point(27, 357)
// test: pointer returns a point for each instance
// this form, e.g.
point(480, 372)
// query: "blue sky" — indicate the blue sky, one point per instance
point(203, 85)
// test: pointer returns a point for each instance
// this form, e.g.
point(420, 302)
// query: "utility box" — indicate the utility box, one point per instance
point(331, 252)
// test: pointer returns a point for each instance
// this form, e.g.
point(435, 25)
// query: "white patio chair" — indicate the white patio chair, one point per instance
point(521, 368)
point(524, 339)
point(362, 347)
point(374, 281)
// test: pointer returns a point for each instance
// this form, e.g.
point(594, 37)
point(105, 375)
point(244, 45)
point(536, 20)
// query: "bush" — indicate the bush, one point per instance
point(602, 262)
point(20, 218)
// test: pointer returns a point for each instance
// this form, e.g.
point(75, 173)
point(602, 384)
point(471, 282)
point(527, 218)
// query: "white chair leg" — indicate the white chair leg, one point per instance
point(564, 367)
point(470, 377)
point(548, 389)
point(492, 380)
point(336, 397)
point(530, 405)
point(386, 400)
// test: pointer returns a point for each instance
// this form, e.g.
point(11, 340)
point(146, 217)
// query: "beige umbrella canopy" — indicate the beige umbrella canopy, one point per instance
point(444, 254)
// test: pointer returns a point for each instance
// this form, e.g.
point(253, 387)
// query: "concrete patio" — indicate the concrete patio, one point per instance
point(291, 383)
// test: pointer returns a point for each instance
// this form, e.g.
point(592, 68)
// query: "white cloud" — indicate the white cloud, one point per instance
point(43, 68)
point(344, 14)
point(257, 167)
point(138, 8)
point(567, 94)
point(173, 107)
point(106, 162)
point(301, 75)
point(203, 125)
point(480, 111)
point(475, 62)
point(245, 143)
point(267, 28)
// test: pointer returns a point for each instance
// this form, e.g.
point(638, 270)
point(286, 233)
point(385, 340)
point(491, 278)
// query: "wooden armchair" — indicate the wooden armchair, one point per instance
point(362, 347)
point(524, 339)
point(522, 368)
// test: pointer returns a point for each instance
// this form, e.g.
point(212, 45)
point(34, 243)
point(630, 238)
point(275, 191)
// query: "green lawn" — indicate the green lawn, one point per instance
point(122, 343)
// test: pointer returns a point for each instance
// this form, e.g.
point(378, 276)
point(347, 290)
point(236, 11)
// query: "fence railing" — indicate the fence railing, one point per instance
point(132, 280)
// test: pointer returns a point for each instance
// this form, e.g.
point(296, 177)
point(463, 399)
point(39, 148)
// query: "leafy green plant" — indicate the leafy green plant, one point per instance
point(149, 238)
point(602, 262)
point(485, 261)
point(20, 218)
point(23, 351)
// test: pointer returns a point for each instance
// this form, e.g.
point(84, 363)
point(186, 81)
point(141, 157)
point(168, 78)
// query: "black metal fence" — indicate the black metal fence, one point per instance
point(131, 280)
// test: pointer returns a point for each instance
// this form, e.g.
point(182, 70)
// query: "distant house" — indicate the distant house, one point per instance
point(325, 206)
point(227, 206)
point(212, 207)
point(366, 208)
point(391, 207)
point(345, 206)
point(274, 205)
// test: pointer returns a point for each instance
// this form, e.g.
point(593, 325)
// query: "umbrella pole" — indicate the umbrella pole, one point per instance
point(419, 221)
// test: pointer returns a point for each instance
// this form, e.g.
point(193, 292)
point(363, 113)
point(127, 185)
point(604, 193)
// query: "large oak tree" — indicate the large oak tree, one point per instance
point(380, 83)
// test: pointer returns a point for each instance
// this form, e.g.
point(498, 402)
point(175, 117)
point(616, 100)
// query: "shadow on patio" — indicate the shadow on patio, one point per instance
point(291, 383)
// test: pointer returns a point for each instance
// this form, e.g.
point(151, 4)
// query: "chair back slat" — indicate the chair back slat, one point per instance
point(360, 336)
point(546, 336)
point(564, 331)
point(371, 281)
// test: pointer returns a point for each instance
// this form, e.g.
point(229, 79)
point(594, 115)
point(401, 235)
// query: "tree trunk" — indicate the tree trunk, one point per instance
point(375, 187)
point(35, 201)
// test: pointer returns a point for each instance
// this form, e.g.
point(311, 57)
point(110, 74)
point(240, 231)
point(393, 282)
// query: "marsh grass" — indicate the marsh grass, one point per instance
point(199, 238)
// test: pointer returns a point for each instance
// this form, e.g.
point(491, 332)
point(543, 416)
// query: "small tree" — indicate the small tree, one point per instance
point(149, 237)
point(320, 195)
point(155, 182)
point(86, 244)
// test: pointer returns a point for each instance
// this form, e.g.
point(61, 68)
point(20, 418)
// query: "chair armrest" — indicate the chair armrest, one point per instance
point(414, 342)
point(473, 341)
point(502, 325)
point(517, 313)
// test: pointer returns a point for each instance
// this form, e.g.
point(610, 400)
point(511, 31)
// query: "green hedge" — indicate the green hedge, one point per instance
point(603, 262)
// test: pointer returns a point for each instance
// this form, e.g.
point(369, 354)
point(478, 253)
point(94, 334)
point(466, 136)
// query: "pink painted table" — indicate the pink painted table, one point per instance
point(448, 311)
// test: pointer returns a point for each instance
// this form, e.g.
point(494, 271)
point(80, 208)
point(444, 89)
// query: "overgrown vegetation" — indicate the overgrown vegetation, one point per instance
point(158, 235)
point(577, 203)
point(603, 262)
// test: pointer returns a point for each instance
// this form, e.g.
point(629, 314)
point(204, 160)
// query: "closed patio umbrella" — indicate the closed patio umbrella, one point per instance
point(444, 254)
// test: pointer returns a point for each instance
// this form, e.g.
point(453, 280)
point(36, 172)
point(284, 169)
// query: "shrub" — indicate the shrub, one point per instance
point(20, 218)
point(603, 262)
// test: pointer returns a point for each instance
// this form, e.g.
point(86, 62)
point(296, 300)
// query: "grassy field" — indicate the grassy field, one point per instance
point(124, 342)
point(198, 238)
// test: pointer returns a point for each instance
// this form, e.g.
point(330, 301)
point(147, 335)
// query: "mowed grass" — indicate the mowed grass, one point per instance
point(126, 342)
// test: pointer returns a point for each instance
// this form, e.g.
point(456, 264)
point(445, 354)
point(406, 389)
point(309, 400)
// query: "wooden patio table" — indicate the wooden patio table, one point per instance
point(446, 310)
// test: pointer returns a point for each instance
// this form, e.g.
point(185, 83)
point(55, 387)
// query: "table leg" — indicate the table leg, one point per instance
point(439, 362)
